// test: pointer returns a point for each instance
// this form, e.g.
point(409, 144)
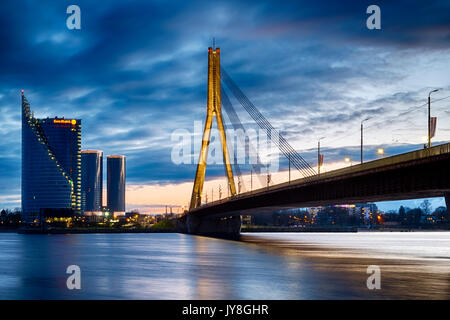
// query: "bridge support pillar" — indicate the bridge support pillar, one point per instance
point(447, 202)
point(224, 227)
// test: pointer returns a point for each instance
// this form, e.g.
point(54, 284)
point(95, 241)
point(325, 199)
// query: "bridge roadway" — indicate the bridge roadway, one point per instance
point(417, 174)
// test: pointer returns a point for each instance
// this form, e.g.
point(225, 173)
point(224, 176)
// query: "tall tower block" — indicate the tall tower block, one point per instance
point(51, 164)
point(115, 198)
point(91, 180)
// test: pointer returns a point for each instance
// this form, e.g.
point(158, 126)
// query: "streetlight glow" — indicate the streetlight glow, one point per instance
point(380, 151)
point(319, 164)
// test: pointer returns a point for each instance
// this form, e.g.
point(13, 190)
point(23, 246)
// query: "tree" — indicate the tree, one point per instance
point(440, 213)
point(426, 206)
point(3, 216)
point(402, 215)
point(414, 216)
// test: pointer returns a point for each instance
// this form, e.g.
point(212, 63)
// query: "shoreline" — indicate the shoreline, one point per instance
point(93, 230)
point(243, 230)
point(270, 229)
point(296, 230)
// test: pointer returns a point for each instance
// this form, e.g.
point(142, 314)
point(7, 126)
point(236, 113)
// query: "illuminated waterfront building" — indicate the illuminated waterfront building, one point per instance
point(116, 184)
point(51, 164)
point(91, 181)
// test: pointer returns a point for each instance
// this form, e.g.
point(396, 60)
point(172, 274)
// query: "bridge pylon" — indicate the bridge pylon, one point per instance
point(213, 108)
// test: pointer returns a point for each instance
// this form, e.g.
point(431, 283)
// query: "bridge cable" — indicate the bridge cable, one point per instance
point(284, 147)
point(237, 125)
point(289, 152)
point(282, 144)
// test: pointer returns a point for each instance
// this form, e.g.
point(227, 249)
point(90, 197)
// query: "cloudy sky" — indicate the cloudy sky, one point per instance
point(136, 72)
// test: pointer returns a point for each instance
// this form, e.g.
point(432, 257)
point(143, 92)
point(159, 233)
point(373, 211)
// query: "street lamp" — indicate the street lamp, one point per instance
point(347, 160)
point(318, 154)
point(380, 151)
point(429, 116)
point(289, 156)
point(362, 138)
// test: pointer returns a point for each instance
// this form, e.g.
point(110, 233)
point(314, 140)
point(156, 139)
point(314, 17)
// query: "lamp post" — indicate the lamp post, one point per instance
point(318, 154)
point(362, 139)
point(429, 116)
point(289, 167)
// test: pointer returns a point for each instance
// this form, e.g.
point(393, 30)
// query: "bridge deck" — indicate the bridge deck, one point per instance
point(390, 163)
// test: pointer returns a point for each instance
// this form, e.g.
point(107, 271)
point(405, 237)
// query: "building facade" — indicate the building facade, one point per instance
point(91, 181)
point(51, 164)
point(116, 183)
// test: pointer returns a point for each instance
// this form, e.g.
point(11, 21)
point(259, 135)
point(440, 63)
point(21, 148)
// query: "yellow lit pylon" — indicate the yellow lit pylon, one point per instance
point(213, 109)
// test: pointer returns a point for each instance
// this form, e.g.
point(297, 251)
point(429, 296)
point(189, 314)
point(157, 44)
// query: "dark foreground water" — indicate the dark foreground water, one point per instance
point(262, 266)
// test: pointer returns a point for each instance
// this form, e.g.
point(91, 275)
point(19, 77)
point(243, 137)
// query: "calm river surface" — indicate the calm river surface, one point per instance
point(261, 266)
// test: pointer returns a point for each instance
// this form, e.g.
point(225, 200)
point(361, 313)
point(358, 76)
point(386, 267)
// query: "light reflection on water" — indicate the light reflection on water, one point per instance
point(262, 266)
point(407, 245)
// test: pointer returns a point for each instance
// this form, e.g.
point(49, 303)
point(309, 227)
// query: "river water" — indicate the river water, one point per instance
point(261, 266)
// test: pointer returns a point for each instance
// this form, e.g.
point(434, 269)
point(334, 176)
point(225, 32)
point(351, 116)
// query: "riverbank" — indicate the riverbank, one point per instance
point(243, 230)
point(92, 230)
point(8, 230)
point(290, 229)
point(247, 228)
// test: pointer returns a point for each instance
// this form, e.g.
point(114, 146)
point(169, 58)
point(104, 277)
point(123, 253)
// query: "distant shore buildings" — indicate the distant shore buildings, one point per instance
point(61, 180)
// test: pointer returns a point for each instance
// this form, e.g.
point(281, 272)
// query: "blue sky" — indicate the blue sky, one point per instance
point(136, 71)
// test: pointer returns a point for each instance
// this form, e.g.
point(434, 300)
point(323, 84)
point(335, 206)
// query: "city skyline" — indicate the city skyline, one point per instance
point(149, 84)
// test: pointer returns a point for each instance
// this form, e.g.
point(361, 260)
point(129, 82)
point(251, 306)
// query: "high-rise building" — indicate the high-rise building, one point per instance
point(51, 164)
point(91, 181)
point(116, 183)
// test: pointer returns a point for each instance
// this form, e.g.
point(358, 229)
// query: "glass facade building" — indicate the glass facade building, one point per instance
point(91, 180)
point(51, 164)
point(116, 183)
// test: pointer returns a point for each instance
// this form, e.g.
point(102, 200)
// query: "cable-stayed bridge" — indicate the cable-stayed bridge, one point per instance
point(418, 174)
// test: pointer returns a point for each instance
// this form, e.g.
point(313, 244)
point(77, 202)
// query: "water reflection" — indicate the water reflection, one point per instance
point(177, 266)
point(414, 265)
